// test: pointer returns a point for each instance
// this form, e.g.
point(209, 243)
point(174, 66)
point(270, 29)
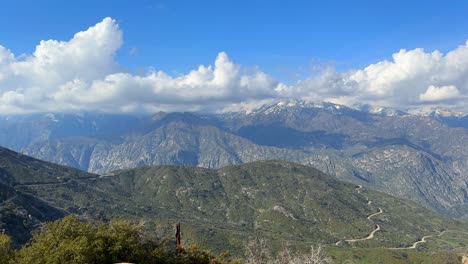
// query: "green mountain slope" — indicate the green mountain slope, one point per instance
point(223, 208)
point(22, 211)
point(285, 201)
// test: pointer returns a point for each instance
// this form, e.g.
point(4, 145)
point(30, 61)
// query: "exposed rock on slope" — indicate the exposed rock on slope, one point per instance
point(411, 156)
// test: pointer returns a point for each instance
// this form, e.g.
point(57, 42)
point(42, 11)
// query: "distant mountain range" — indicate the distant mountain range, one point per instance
point(422, 157)
point(221, 208)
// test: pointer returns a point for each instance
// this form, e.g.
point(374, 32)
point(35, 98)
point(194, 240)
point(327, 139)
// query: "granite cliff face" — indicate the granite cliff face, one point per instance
point(411, 156)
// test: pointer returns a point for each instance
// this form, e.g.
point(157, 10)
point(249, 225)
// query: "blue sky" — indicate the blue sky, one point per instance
point(282, 37)
point(340, 51)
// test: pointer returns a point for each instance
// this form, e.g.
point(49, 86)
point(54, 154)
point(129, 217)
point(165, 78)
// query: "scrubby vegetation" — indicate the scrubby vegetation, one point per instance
point(70, 240)
point(259, 252)
point(5, 249)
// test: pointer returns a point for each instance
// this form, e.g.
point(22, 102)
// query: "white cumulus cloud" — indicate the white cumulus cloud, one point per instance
point(83, 74)
point(411, 78)
point(435, 94)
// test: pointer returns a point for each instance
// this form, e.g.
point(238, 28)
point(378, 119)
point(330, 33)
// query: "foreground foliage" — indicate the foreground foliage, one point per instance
point(5, 248)
point(71, 241)
point(258, 252)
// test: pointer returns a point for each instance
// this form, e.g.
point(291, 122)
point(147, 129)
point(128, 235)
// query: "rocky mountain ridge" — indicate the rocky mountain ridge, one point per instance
point(410, 156)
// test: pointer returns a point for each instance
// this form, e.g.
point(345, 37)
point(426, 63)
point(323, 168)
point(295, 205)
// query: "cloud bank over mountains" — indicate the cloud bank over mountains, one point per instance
point(83, 74)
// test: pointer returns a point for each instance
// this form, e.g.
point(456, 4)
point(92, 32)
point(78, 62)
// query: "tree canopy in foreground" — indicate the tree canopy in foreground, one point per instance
point(70, 240)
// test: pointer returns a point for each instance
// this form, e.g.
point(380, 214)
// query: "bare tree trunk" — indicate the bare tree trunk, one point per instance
point(178, 242)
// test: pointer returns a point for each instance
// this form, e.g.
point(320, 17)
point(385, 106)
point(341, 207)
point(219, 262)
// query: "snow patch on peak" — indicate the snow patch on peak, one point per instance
point(52, 117)
point(292, 105)
point(436, 111)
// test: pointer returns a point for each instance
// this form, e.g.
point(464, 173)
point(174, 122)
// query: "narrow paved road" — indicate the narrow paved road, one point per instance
point(372, 215)
point(359, 188)
point(422, 240)
point(63, 182)
point(370, 236)
point(377, 227)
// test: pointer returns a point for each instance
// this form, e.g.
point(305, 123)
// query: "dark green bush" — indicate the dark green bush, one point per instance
point(70, 240)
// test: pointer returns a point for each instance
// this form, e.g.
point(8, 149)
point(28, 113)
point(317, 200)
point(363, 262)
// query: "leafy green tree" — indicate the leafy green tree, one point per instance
point(65, 241)
point(121, 241)
point(5, 249)
point(71, 241)
point(191, 255)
